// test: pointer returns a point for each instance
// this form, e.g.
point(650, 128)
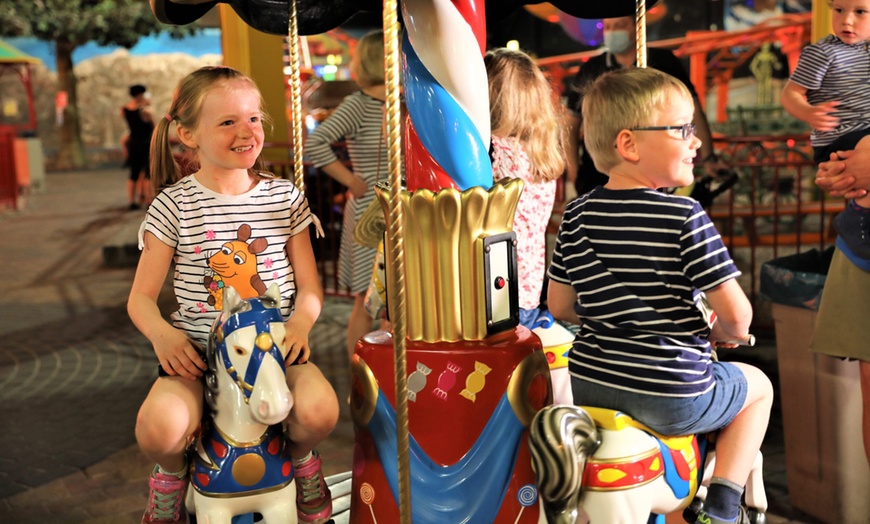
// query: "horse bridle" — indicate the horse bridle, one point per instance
point(260, 316)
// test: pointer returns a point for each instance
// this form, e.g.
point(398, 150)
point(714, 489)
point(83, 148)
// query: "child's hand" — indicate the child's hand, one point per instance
point(821, 116)
point(177, 354)
point(296, 343)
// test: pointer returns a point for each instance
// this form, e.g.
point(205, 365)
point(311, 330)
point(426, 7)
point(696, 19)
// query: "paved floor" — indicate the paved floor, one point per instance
point(73, 369)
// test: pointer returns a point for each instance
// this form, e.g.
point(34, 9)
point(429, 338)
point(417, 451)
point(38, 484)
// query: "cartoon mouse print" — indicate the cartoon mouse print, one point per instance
point(235, 264)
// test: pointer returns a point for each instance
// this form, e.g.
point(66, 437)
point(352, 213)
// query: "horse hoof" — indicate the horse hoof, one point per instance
point(690, 514)
point(756, 517)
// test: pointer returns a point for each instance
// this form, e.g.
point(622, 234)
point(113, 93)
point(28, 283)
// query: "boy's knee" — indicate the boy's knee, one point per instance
point(759, 384)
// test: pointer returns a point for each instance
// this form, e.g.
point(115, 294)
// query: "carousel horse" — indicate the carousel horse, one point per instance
point(240, 463)
point(601, 466)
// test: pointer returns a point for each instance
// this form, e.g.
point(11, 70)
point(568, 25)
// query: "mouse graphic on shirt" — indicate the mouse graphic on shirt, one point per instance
point(235, 264)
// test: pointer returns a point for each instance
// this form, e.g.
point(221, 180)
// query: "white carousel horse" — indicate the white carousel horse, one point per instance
point(240, 464)
point(601, 466)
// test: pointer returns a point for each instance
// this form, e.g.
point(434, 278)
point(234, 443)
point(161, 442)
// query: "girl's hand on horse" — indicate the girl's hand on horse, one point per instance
point(178, 354)
point(296, 343)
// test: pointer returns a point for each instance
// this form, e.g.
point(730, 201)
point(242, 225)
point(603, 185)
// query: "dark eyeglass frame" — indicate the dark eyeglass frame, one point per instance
point(686, 130)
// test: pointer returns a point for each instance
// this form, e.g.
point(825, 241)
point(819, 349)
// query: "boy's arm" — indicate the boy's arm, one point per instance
point(733, 311)
point(309, 296)
point(560, 301)
point(820, 117)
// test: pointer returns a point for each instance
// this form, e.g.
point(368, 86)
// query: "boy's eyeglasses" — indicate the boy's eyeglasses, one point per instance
point(686, 130)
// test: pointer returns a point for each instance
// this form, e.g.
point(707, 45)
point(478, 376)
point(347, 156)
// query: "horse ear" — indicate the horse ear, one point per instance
point(274, 293)
point(231, 300)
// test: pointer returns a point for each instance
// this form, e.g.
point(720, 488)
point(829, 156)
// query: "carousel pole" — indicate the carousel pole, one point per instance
point(640, 31)
point(396, 255)
point(295, 97)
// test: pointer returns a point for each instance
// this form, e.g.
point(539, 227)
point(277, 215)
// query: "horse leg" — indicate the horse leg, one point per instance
point(213, 513)
point(279, 507)
point(756, 497)
point(630, 506)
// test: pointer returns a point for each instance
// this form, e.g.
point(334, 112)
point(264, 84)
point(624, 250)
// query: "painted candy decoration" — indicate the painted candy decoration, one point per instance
point(446, 380)
point(417, 381)
point(475, 381)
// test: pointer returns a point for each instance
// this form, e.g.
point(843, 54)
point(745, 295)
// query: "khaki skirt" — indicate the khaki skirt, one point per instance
point(843, 322)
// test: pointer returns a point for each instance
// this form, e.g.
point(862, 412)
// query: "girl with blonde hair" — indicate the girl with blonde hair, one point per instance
point(527, 143)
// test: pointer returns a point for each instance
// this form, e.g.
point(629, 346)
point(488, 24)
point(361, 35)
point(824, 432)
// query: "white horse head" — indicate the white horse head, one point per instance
point(248, 359)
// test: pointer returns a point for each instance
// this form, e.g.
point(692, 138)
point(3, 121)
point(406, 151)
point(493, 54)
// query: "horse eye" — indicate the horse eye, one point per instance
point(240, 351)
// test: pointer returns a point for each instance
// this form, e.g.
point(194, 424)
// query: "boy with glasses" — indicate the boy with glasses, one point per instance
point(629, 266)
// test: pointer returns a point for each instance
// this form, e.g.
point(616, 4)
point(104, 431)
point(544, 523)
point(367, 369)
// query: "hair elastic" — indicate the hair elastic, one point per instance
point(168, 117)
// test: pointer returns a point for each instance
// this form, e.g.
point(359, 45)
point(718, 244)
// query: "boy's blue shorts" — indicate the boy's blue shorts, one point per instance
point(673, 416)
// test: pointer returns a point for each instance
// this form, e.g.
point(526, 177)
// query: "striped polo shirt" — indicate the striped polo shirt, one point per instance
point(224, 240)
point(637, 260)
point(833, 70)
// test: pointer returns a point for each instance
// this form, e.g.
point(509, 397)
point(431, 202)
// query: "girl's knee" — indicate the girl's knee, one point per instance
point(317, 412)
point(163, 427)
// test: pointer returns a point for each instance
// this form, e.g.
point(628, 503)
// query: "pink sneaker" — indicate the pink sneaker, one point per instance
point(313, 499)
point(166, 499)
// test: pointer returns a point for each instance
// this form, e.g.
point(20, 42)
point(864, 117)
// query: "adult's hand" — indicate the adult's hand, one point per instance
point(845, 173)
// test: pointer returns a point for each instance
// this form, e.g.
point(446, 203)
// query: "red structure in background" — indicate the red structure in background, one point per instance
point(713, 55)
point(14, 61)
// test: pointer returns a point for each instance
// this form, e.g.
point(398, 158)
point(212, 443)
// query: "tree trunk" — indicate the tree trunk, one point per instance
point(72, 149)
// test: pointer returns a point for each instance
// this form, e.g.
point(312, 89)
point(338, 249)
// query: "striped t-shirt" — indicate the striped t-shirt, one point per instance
point(833, 70)
point(637, 259)
point(227, 240)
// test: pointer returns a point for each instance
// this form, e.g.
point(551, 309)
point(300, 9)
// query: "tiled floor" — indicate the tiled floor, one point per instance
point(73, 369)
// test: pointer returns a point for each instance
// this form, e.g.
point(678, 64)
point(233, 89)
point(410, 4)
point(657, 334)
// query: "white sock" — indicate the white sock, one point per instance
point(180, 474)
point(303, 460)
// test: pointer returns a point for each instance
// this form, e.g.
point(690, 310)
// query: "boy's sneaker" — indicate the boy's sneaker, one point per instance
point(313, 499)
point(853, 226)
point(166, 499)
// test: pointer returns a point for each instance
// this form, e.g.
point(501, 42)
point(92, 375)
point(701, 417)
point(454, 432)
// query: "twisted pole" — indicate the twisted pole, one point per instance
point(396, 277)
point(296, 97)
point(640, 30)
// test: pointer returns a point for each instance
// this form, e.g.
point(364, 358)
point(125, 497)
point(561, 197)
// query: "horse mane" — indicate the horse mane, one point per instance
point(561, 438)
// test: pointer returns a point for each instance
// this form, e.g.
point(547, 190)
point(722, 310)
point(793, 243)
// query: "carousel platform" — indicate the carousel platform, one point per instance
point(74, 370)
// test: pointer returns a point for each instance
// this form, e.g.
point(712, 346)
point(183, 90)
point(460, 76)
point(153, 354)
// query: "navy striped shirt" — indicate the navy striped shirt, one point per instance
point(199, 224)
point(833, 70)
point(637, 259)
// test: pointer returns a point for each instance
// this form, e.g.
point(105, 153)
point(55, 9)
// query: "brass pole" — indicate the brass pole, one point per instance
point(396, 255)
point(640, 31)
point(296, 98)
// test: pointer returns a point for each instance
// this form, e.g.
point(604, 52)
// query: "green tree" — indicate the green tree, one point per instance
point(73, 23)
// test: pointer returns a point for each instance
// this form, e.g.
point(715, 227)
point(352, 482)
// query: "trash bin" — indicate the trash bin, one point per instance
point(826, 468)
